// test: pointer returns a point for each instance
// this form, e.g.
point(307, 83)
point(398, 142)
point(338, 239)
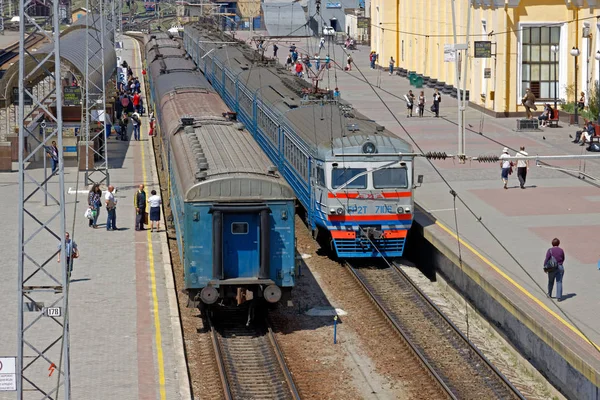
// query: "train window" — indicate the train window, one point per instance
point(390, 178)
point(339, 177)
point(239, 228)
point(320, 176)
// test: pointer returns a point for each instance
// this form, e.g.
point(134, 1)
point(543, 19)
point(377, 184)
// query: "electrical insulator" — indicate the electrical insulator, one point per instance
point(488, 159)
point(436, 155)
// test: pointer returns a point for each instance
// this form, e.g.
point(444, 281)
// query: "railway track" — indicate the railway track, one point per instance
point(450, 358)
point(249, 360)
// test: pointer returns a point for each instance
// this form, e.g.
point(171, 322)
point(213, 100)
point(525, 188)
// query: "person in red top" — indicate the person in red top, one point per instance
point(136, 102)
point(299, 69)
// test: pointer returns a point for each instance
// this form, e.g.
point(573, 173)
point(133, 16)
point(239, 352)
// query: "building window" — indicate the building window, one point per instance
point(539, 67)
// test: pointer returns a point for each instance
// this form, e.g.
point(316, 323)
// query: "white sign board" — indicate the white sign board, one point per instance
point(8, 374)
point(449, 53)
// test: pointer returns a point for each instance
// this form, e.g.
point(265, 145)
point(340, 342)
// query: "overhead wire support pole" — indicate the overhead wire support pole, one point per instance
point(96, 170)
point(43, 327)
point(461, 99)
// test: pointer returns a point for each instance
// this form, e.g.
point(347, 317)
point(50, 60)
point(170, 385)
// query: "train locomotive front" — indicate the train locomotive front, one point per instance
point(233, 212)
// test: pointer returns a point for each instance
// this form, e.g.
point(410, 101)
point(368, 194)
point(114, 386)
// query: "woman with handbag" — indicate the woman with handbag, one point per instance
point(94, 203)
point(553, 266)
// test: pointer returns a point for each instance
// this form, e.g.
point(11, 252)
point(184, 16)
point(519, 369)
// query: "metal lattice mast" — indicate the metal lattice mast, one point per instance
point(95, 96)
point(42, 283)
point(2, 17)
point(119, 34)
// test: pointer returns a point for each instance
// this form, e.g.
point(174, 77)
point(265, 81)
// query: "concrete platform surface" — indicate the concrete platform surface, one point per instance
point(124, 325)
point(506, 241)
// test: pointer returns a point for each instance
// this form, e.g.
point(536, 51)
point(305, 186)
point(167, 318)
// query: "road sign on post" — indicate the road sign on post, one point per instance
point(8, 374)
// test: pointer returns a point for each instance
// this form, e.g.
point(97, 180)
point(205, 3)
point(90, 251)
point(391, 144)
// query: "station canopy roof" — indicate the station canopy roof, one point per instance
point(73, 55)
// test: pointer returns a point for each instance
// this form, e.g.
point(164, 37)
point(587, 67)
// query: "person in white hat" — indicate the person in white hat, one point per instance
point(506, 166)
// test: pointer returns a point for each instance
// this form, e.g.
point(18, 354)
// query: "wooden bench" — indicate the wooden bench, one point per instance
point(553, 122)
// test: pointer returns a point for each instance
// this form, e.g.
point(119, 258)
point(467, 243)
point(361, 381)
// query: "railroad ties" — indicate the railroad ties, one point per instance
point(450, 358)
point(250, 362)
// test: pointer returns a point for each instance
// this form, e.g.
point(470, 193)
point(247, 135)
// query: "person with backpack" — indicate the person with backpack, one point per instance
point(553, 267)
point(136, 121)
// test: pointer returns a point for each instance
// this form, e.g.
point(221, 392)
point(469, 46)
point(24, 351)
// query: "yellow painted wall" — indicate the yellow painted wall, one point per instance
point(415, 32)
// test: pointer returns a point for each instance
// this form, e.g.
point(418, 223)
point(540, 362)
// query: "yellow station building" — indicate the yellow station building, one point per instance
point(532, 41)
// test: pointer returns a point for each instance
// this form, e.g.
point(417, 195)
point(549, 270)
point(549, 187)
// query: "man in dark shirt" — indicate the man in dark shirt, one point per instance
point(139, 201)
point(555, 273)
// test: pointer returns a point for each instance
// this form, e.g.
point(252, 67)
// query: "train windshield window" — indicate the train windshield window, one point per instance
point(390, 178)
point(239, 228)
point(339, 177)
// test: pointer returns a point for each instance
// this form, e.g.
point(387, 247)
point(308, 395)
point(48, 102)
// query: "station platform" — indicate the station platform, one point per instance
point(505, 281)
point(125, 336)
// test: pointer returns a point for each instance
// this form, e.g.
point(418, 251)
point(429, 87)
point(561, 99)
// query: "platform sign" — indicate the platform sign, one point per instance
point(71, 96)
point(483, 49)
point(52, 312)
point(122, 75)
point(8, 374)
point(487, 73)
point(26, 98)
point(333, 5)
point(363, 22)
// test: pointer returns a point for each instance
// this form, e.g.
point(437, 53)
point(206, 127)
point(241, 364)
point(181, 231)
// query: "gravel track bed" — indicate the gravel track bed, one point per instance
point(458, 365)
point(364, 325)
point(250, 361)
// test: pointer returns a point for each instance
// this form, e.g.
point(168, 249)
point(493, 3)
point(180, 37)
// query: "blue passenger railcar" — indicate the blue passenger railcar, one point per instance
point(353, 177)
point(233, 212)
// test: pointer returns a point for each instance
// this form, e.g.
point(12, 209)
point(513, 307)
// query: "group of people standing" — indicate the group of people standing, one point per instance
point(129, 105)
point(421, 101)
point(96, 199)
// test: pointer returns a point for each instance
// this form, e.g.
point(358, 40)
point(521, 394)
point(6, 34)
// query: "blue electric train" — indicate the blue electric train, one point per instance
point(353, 177)
point(233, 212)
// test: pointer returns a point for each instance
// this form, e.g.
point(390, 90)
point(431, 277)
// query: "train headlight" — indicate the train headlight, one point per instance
point(340, 211)
point(369, 148)
point(400, 210)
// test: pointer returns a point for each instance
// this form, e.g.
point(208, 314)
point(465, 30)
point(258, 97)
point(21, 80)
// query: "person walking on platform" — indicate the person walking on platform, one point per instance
point(139, 202)
point(392, 62)
point(506, 166)
point(154, 202)
point(136, 122)
point(421, 104)
point(410, 102)
point(437, 99)
point(111, 209)
point(71, 251)
point(522, 167)
point(136, 102)
point(53, 154)
point(275, 48)
point(553, 266)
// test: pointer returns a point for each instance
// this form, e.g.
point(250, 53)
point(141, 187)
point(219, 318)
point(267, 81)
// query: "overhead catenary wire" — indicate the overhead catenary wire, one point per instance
point(472, 212)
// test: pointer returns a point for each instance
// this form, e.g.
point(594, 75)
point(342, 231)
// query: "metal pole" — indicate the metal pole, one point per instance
point(464, 81)
point(457, 74)
point(45, 169)
point(576, 103)
point(40, 336)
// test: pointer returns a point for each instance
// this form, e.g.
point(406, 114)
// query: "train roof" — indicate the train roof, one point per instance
point(217, 161)
point(326, 127)
point(164, 52)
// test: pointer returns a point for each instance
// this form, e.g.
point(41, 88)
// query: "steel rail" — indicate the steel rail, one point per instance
point(225, 379)
point(420, 356)
point(426, 298)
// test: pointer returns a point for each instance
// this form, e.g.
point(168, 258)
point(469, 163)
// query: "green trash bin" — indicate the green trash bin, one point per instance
point(418, 82)
point(411, 78)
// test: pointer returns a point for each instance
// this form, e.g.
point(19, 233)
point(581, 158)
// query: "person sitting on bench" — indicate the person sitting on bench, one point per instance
point(546, 115)
point(585, 134)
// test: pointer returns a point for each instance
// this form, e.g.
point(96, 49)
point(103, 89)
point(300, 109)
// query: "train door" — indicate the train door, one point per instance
point(241, 245)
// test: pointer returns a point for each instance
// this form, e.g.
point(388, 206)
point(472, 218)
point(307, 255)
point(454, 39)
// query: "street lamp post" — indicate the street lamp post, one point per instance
point(575, 53)
point(597, 57)
point(554, 49)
